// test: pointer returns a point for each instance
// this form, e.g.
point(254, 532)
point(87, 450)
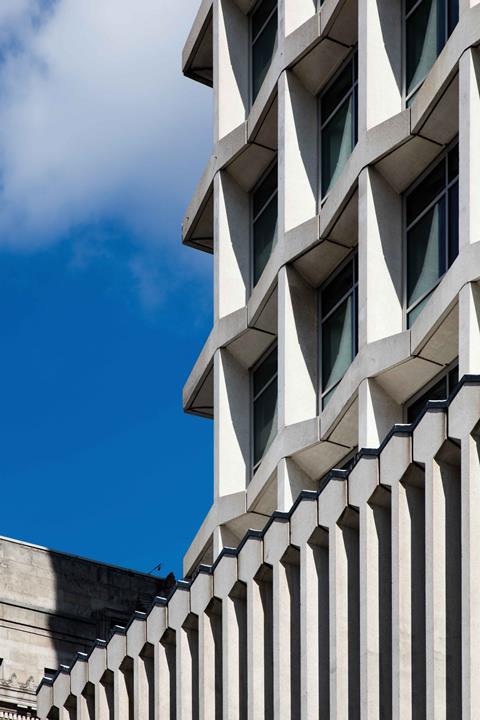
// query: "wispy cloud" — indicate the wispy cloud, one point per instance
point(96, 122)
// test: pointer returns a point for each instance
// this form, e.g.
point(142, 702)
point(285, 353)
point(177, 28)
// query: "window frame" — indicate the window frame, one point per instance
point(254, 218)
point(408, 97)
point(352, 257)
point(252, 41)
point(444, 373)
point(353, 90)
point(443, 156)
point(273, 347)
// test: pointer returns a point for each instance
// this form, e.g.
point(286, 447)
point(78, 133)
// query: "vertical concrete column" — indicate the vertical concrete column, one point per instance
point(250, 561)
point(331, 504)
point(379, 62)
point(373, 503)
point(234, 660)
point(231, 245)
point(116, 650)
point(61, 691)
point(178, 616)
point(230, 71)
point(231, 424)
point(362, 483)
point(166, 676)
point(377, 413)
point(428, 438)
point(297, 343)
point(379, 258)
point(201, 594)
point(469, 140)
point(312, 542)
point(469, 208)
point(136, 639)
point(156, 627)
point(469, 330)
point(463, 417)
point(395, 459)
point(297, 160)
point(44, 700)
point(78, 683)
point(295, 13)
point(285, 700)
point(97, 665)
point(380, 312)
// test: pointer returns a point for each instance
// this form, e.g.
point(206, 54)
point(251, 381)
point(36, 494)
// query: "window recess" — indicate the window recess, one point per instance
point(264, 388)
point(338, 116)
point(264, 220)
point(338, 325)
point(263, 41)
point(431, 218)
point(428, 25)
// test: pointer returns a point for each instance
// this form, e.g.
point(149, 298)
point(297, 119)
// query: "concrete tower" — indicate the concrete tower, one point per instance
point(337, 573)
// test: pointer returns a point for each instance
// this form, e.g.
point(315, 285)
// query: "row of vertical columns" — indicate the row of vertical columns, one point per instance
point(362, 604)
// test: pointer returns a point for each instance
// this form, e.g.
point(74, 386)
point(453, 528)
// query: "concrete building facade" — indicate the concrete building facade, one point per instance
point(336, 574)
point(52, 606)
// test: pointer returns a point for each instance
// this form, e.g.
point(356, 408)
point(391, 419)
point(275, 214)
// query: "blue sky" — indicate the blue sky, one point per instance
point(102, 311)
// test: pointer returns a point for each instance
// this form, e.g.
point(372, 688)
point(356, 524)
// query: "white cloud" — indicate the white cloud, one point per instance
point(95, 118)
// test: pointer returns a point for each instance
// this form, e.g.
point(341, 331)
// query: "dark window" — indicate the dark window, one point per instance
point(263, 33)
point(432, 231)
point(264, 400)
point(338, 325)
point(338, 123)
point(264, 218)
point(428, 24)
point(440, 390)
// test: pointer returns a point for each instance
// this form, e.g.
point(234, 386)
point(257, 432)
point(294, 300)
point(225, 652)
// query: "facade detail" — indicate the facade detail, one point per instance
point(336, 574)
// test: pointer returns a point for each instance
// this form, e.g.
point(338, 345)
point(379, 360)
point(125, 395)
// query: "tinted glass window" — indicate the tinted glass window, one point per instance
point(264, 191)
point(265, 217)
point(265, 393)
point(428, 24)
point(337, 343)
point(338, 142)
point(432, 231)
point(264, 24)
point(426, 191)
point(338, 326)
point(423, 253)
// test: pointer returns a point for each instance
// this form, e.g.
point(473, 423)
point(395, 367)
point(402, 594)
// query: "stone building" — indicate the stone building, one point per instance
point(337, 573)
point(53, 605)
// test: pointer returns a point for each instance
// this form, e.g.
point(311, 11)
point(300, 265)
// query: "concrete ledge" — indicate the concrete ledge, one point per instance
point(197, 56)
